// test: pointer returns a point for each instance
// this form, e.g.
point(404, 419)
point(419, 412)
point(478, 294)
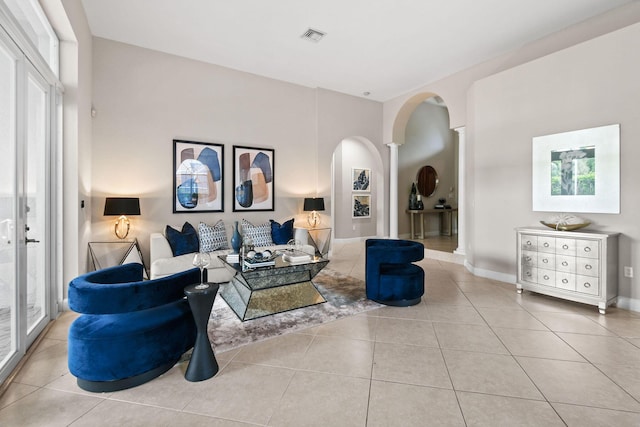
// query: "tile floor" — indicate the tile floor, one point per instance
point(473, 353)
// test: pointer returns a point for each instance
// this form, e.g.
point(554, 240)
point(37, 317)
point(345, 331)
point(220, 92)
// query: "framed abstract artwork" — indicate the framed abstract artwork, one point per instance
point(253, 179)
point(361, 206)
point(361, 179)
point(577, 171)
point(198, 175)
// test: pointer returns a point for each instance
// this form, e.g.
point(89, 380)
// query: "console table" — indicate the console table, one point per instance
point(320, 238)
point(446, 221)
point(110, 254)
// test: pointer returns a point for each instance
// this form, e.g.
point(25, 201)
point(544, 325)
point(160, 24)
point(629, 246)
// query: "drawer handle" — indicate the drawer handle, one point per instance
point(565, 263)
point(528, 243)
point(545, 261)
point(587, 249)
point(546, 277)
point(546, 245)
point(528, 274)
point(565, 246)
point(588, 267)
point(565, 281)
point(527, 258)
point(587, 285)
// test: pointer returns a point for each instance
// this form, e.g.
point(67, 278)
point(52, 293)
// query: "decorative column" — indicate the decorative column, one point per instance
point(393, 190)
point(462, 243)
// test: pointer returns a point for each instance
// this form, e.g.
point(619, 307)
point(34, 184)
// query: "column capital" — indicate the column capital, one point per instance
point(392, 144)
point(460, 130)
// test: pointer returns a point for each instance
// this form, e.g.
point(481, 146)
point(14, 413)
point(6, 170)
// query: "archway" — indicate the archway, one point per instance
point(354, 155)
point(455, 187)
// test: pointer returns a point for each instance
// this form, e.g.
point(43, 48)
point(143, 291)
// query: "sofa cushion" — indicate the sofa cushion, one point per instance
point(184, 241)
point(281, 233)
point(260, 234)
point(212, 237)
point(216, 269)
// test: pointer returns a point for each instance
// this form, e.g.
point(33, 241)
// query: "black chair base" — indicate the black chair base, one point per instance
point(401, 302)
point(125, 383)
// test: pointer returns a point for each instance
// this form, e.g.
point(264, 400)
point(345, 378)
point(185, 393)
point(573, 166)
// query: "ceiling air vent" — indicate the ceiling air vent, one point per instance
point(313, 35)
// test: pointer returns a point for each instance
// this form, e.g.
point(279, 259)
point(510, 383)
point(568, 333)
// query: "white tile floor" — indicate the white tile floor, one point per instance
point(473, 353)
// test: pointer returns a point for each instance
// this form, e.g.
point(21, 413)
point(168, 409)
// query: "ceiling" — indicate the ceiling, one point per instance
point(383, 47)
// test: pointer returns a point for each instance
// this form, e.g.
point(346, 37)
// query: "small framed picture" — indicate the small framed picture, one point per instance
point(198, 177)
point(361, 179)
point(253, 179)
point(361, 206)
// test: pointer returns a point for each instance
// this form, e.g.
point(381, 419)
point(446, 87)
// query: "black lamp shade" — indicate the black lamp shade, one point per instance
point(313, 204)
point(122, 206)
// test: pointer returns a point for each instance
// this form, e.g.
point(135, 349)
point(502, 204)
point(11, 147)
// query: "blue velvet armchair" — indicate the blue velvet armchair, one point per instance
point(131, 330)
point(391, 278)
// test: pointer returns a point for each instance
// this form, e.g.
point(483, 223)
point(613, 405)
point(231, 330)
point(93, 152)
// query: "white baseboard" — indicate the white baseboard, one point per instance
point(489, 274)
point(443, 256)
point(627, 303)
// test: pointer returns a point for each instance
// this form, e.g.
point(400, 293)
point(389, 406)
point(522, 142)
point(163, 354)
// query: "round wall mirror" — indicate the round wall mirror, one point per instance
point(427, 181)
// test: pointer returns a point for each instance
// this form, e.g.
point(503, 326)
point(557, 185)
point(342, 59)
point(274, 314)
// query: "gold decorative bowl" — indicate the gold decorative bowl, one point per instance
point(565, 227)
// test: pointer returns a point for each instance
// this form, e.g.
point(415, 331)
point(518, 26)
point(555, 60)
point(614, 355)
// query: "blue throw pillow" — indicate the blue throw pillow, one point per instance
point(184, 241)
point(281, 234)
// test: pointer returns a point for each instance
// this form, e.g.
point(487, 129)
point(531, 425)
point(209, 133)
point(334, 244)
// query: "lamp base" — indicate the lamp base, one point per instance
point(121, 227)
point(313, 219)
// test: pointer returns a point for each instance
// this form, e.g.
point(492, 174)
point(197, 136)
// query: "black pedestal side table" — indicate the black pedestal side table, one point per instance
point(203, 364)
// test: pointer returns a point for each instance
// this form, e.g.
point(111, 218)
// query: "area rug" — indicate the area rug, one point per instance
point(345, 296)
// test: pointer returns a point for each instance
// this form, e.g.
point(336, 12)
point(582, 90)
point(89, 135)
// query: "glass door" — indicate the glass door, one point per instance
point(34, 204)
point(25, 204)
point(8, 201)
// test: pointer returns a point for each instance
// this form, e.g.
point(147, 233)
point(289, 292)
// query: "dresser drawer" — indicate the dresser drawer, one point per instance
point(529, 242)
point(588, 285)
point(547, 244)
point(565, 246)
point(566, 281)
point(566, 263)
point(587, 249)
point(529, 259)
point(546, 277)
point(546, 261)
point(529, 274)
point(588, 267)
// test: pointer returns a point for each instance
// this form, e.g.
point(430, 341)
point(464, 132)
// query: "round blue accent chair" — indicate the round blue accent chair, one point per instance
point(391, 278)
point(131, 330)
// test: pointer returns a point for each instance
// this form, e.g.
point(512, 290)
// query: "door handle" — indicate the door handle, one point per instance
point(27, 240)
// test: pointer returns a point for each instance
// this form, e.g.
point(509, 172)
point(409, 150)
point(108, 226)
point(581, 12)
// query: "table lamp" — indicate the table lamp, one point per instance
point(313, 205)
point(122, 206)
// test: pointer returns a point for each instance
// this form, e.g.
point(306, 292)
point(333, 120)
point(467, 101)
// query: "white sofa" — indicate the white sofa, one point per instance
point(163, 263)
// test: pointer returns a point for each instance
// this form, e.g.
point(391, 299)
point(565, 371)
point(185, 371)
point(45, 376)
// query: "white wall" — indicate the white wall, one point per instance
point(144, 99)
point(70, 23)
point(349, 154)
point(454, 89)
point(591, 84)
point(341, 117)
point(428, 141)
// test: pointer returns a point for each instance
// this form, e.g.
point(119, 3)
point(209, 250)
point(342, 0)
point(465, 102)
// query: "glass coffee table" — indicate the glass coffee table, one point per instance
point(263, 291)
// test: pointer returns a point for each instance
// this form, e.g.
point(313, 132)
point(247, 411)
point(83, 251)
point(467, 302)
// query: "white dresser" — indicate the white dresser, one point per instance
point(575, 265)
